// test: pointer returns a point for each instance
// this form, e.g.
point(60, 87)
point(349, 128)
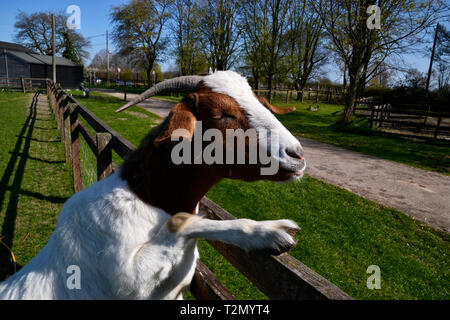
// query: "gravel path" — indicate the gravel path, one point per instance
point(421, 194)
point(158, 107)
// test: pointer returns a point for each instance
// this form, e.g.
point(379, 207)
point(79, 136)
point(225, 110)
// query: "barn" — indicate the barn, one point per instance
point(17, 61)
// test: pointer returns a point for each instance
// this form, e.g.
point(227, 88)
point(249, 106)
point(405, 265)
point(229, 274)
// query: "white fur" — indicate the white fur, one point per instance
point(260, 118)
point(124, 249)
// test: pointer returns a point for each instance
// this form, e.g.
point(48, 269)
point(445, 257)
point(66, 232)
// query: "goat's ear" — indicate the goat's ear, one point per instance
point(274, 109)
point(181, 117)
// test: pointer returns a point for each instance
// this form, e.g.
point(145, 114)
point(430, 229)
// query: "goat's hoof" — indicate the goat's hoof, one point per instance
point(179, 221)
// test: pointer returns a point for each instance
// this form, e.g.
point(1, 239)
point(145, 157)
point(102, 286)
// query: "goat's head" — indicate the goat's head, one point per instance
point(224, 101)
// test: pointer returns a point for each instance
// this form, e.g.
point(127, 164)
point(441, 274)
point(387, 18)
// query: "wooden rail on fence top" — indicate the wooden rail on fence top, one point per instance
point(279, 277)
point(381, 115)
point(23, 84)
point(407, 112)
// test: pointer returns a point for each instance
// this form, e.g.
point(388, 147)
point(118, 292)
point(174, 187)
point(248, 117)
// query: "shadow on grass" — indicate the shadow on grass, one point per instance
point(16, 168)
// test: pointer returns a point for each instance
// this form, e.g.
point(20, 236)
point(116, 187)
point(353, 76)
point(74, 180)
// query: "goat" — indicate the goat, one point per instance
point(134, 234)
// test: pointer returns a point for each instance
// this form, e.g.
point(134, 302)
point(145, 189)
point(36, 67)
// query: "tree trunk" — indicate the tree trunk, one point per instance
point(350, 100)
point(270, 86)
point(149, 77)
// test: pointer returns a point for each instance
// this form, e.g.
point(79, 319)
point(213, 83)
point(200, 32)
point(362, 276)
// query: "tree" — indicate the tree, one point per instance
point(252, 34)
point(69, 49)
point(99, 60)
point(265, 24)
point(443, 59)
point(363, 49)
point(306, 50)
point(414, 79)
point(218, 31)
point(35, 32)
point(138, 30)
point(187, 45)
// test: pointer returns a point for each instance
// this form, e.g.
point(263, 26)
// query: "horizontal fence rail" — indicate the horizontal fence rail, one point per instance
point(23, 84)
point(279, 277)
point(401, 119)
point(316, 96)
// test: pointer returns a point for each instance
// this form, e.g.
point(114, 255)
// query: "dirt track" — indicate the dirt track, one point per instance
point(423, 195)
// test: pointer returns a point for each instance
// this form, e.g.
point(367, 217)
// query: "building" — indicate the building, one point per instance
point(17, 61)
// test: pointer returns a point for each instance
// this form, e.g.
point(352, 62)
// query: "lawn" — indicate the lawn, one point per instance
point(35, 180)
point(342, 234)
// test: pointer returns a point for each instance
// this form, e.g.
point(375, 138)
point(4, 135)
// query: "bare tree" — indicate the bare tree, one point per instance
point(362, 48)
point(187, 50)
point(35, 32)
point(264, 25)
point(138, 30)
point(306, 50)
point(443, 59)
point(219, 32)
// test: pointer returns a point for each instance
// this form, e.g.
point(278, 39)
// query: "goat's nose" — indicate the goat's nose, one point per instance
point(295, 153)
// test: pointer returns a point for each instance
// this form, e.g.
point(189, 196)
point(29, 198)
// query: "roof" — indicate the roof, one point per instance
point(41, 59)
point(14, 47)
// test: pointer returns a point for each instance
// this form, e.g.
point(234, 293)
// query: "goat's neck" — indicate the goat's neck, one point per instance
point(158, 182)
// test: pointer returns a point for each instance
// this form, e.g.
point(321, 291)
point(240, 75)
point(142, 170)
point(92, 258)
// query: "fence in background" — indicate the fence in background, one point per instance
point(23, 84)
point(404, 122)
point(316, 96)
point(279, 277)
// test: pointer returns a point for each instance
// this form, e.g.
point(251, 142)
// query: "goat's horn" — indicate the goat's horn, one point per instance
point(181, 84)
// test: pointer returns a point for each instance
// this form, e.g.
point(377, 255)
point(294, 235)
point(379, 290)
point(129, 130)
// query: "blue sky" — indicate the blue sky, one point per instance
point(94, 17)
point(95, 21)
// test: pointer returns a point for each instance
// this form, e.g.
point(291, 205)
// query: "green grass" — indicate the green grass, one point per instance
point(35, 180)
point(342, 233)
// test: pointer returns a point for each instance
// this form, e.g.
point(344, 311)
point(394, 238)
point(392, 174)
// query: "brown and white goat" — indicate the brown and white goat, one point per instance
point(134, 235)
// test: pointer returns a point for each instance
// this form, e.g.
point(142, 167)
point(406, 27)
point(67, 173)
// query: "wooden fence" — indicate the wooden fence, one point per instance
point(328, 96)
point(23, 84)
point(279, 277)
point(381, 115)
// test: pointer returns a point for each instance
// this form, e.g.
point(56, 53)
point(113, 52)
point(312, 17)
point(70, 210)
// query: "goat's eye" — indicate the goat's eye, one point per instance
point(222, 116)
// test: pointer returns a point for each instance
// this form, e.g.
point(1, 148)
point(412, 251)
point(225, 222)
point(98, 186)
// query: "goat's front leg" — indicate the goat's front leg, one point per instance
point(244, 233)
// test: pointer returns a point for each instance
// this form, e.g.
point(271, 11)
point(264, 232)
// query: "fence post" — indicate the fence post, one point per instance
point(74, 135)
point(61, 108)
point(303, 93)
point(23, 84)
point(436, 131)
point(125, 91)
point(317, 96)
point(371, 117)
point(381, 115)
point(66, 120)
point(287, 97)
point(104, 155)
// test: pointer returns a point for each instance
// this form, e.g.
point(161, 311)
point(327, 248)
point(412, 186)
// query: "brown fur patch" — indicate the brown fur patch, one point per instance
point(181, 117)
point(179, 221)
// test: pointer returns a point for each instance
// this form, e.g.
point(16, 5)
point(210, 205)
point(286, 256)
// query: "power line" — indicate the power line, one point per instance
point(99, 35)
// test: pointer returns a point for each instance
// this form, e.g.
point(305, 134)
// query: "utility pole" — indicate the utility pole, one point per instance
point(54, 46)
point(432, 57)
point(108, 82)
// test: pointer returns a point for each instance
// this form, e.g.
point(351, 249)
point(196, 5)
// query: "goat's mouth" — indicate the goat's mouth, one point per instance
point(288, 174)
